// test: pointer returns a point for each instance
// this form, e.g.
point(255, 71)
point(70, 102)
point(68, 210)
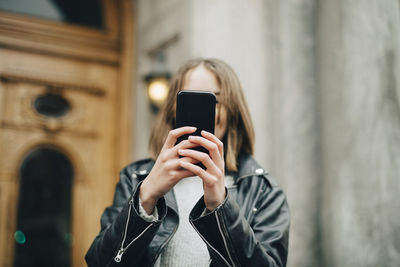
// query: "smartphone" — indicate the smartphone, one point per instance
point(195, 108)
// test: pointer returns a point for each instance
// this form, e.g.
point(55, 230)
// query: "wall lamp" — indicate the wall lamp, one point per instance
point(157, 83)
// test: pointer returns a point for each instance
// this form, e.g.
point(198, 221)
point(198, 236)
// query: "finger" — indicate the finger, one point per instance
point(189, 160)
point(173, 153)
point(183, 173)
point(215, 140)
point(175, 170)
point(173, 135)
point(196, 170)
point(184, 145)
point(210, 146)
point(200, 156)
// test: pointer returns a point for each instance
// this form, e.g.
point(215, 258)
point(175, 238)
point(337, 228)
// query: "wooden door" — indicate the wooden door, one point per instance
point(64, 97)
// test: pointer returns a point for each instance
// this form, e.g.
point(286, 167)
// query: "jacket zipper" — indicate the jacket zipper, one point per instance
point(122, 250)
point(205, 240)
point(223, 237)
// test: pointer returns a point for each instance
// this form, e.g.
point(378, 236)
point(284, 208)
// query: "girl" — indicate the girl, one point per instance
point(168, 211)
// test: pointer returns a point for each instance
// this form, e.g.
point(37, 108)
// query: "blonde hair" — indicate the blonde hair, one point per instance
point(239, 135)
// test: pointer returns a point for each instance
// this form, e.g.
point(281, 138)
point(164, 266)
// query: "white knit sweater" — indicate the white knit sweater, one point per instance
point(186, 248)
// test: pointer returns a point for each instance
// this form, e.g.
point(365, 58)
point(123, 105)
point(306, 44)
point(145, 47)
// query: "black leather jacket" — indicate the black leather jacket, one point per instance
point(250, 228)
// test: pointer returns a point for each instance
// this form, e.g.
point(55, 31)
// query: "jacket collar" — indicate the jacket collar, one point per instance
point(247, 166)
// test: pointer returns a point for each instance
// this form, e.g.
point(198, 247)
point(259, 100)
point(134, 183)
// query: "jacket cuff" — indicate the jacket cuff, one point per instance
point(160, 210)
point(200, 209)
point(145, 216)
point(211, 228)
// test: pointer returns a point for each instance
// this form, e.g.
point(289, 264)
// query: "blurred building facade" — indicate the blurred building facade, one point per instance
point(322, 81)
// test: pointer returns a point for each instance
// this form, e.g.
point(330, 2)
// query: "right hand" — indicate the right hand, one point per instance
point(167, 171)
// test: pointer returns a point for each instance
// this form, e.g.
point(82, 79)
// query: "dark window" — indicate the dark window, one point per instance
point(81, 12)
point(43, 236)
point(51, 105)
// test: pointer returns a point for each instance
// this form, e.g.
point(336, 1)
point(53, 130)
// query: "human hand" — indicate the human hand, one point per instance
point(214, 174)
point(167, 170)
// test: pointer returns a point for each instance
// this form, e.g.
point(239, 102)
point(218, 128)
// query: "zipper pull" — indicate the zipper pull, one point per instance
point(119, 255)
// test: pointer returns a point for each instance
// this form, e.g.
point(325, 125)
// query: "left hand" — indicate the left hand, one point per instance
point(214, 174)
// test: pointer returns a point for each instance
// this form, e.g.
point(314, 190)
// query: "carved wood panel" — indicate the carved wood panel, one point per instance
point(91, 70)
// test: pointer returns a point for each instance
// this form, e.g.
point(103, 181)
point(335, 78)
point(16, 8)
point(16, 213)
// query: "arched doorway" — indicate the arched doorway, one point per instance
point(43, 236)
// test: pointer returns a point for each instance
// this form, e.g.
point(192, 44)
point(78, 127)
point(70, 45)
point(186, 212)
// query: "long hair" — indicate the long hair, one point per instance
point(239, 135)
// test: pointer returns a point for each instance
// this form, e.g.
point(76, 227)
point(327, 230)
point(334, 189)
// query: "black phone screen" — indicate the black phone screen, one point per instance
point(195, 108)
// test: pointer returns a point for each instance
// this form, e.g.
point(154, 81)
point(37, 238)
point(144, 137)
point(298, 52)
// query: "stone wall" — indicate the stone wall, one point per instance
point(359, 55)
point(294, 120)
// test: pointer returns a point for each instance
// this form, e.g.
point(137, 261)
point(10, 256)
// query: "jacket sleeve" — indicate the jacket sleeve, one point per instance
point(124, 233)
point(232, 241)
